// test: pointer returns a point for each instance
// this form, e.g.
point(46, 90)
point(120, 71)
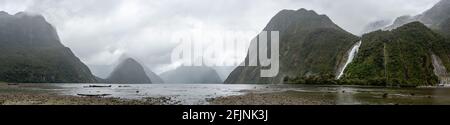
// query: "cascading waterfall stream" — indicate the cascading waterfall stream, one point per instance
point(351, 56)
point(440, 70)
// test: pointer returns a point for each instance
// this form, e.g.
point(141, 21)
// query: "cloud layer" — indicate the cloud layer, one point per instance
point(101, 31)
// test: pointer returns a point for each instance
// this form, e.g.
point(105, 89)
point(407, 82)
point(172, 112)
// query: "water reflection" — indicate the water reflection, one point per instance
point(344, 96)
point(199, 93)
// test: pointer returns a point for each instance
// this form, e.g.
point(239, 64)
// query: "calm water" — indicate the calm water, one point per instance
point(199, 93)
point(185, 93)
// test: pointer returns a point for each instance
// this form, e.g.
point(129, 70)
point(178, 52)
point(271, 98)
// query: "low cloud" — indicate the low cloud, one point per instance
point(101, 31)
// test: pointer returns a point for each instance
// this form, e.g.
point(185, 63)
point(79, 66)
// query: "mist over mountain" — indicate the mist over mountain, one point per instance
point(377, 25)
point(432, 18)
point(129, 71)
point(311, 45)
point(191, 75)
point(31, 52)
point(153, 76)
point(98, 32)
point(224, 71)
point(445, 28)
point(123, 58)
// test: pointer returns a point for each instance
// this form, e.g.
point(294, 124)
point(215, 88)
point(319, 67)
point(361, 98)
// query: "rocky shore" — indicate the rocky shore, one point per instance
point(279, 98)
point(439, 96)
point(38, 94)
point(23, 95)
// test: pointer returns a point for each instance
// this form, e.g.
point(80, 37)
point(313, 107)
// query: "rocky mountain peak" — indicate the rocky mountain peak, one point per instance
point(129, 71)
point(297, 20)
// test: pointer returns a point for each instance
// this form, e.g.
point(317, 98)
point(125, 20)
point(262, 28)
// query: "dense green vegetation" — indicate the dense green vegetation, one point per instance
point(401, 57)
point(42, 65)
point(311, 45)
point(31, 52)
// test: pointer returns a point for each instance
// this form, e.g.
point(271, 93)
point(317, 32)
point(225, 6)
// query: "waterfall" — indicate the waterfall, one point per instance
point(350, 57)
point(440, 70)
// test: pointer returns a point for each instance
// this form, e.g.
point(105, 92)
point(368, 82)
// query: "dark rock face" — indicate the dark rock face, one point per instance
point(191, 75)
point(129, 71)
point(310, 45)
point(27, 30)
point(31, 52)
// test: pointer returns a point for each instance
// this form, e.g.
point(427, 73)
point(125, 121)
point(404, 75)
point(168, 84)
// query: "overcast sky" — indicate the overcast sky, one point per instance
point(100, 31)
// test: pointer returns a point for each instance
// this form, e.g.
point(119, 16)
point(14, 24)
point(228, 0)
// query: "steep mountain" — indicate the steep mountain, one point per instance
point(188, 75)
point(406, 56)
point(311, 45)
point(129, 71)
point(431, 18)
point(31, 52)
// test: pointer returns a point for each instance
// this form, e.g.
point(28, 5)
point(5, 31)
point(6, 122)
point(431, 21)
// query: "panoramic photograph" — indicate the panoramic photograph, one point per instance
point(224, 52)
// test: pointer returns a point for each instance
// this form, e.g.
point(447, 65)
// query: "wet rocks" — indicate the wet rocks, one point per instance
point(98, 86)
point(279, 98)
point(94, 95)
point(385, 95)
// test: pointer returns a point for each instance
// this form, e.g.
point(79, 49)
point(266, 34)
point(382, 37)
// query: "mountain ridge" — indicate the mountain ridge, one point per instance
point(129, 71)
point(33, 53)
point(301, 32)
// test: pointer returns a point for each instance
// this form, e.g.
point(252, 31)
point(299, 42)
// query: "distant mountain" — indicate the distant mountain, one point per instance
point(224, 71)
point(311, 45)
point(445, 28)
point(31, 52)
point(432, 18)
point(400, 21)
point(129, 71)
point(100, 80)
point(437, 14)
point(153, 76)
point(410, 55)
point(192, 74)
point(374, 26)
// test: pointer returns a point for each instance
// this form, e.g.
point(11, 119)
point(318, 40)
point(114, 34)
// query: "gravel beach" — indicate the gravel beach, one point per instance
point(278, 98)
point(25, 95)
point(40, 94)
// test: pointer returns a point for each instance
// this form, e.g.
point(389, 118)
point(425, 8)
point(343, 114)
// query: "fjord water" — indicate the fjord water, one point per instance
point(185, 93)
point(189, 94)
